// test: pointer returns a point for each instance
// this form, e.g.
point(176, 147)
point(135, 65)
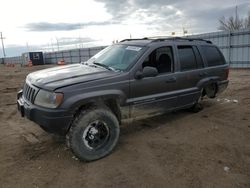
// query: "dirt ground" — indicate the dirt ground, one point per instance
point(207, 149)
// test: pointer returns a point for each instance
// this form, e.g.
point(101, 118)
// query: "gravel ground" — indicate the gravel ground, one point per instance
point(207, 149)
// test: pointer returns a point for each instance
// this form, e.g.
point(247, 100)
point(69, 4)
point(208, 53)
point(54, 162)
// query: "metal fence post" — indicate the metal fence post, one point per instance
point(70, 54)
point(80, 57)
point(89, 53)
point(229, 47)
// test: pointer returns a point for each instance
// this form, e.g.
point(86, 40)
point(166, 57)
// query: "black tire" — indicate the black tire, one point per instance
point(197, 107)
point(94, 134)
point(211, 90)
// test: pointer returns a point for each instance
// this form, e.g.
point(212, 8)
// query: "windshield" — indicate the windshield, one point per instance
point(117, 57)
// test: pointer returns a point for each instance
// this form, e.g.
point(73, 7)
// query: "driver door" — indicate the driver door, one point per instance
point(154, 95)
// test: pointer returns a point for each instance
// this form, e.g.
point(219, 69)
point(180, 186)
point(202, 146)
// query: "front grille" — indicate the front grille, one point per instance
point(29, 92)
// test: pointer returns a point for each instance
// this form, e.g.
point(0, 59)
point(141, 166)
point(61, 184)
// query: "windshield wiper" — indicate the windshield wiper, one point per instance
point(104, 66)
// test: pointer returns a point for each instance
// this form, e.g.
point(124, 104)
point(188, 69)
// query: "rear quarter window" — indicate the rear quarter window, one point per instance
point(213, 56)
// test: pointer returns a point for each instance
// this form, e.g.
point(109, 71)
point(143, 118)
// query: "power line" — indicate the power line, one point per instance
point(1, 37)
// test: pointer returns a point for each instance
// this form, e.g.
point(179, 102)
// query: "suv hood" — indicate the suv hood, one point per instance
point(53, 78)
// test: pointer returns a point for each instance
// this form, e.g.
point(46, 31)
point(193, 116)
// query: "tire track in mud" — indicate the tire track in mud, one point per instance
point(12, 114)
point(9, 90)
point(175, 150)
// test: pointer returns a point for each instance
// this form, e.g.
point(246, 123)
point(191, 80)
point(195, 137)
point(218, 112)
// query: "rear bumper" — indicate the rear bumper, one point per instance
point(222, 85)
point(54, 121)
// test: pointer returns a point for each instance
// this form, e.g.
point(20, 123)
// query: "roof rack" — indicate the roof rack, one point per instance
point(181, 38)
point(159, 39)
point(145, 38)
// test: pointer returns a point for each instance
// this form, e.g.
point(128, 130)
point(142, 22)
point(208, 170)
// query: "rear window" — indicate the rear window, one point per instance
point(213, 56)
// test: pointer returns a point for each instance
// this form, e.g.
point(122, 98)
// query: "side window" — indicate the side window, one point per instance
point(162, 59)
point(36, 56)
point(187, 58)
point(212, 55)
point(199, 60)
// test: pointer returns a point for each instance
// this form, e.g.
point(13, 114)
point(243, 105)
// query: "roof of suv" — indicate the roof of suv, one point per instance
point(149, 41)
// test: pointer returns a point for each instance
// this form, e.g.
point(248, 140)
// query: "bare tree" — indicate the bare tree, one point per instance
point(234, 23)
point(230, 24)
point(247, 21)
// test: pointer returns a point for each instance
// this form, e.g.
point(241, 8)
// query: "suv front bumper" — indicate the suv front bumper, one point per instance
point(55, 121)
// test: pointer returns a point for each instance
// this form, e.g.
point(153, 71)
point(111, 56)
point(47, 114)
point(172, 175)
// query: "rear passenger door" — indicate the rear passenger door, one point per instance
point(191, 70)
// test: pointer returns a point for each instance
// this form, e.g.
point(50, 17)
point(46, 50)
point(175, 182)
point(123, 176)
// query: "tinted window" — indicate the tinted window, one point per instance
point(187, 58)
point(212, 55)
point(36, 56)
point(161, 58)
point(198, 57)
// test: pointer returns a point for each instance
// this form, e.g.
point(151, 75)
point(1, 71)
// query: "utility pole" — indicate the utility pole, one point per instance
point(52, 47)
point(237, 21)
point(1, 37)
point(184, 31)
point(27, 46)
point(58, 47)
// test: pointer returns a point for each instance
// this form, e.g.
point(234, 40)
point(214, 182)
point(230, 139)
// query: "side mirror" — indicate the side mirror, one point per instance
point(146, 72)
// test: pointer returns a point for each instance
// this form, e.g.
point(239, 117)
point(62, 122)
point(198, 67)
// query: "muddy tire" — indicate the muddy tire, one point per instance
point(197, 107)
point(94, 134)
point(211, 90)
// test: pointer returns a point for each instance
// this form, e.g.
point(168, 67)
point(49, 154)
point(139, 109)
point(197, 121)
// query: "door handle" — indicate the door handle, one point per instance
point(170, 80)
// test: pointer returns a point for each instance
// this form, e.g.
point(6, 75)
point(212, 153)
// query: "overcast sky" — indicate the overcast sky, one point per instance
point(41, 24)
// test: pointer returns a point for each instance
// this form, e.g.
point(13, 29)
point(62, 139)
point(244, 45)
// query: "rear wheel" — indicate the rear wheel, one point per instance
point(94, 134)
point(198, 106)
point(211, 90)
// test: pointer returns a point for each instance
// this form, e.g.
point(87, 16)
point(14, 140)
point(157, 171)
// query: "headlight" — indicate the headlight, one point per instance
point(48, 99)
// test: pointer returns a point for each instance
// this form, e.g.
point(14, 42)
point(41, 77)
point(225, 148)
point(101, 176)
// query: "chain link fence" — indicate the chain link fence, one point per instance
point(234, 45)
point(71, 56)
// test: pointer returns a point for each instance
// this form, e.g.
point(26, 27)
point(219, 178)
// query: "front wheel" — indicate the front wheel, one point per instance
point(94, 134)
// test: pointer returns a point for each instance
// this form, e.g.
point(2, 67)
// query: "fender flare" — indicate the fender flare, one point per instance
point(76, 101)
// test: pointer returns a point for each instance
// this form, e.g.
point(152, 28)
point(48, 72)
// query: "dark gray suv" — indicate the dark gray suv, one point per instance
point(132, 79)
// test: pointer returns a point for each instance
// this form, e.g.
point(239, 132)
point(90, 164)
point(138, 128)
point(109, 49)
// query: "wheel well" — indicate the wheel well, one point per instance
point(112, 104)
point(78, 111)
point(210, 90)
